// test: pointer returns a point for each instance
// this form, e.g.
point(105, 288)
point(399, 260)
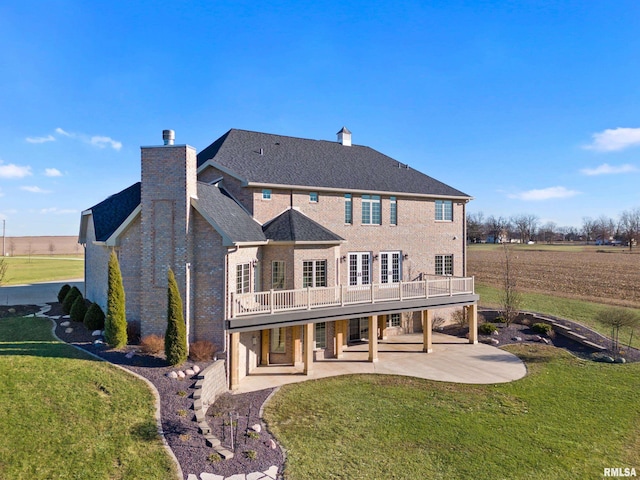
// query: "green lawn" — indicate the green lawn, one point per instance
point(567, 418)
point(65, 415)
point(43, 269)
point(571, 309)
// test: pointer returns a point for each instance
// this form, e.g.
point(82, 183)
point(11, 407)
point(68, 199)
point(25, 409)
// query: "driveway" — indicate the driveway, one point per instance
point(35, 293)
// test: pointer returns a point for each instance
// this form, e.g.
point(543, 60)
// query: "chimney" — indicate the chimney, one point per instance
point(344, 137)
point(168, 136)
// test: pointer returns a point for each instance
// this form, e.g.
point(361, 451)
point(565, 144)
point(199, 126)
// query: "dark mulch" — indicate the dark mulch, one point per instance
point(18, 310)
point(176, 406)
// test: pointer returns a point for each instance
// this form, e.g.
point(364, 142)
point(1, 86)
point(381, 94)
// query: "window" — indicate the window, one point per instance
point(313, 197)
point(390, 267)
point(393, 211)
point(266, 194)
point(278, 340)
point(444, 264)
point(444, 210)
point(371, 210)
point(277, 275)
point(359, 268)
point(242, 277)
point(348, 209)
point(321, 335)
point(393, 320)
point(314, 273)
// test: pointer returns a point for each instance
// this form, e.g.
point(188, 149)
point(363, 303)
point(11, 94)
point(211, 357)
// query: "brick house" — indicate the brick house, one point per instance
point(284, 249)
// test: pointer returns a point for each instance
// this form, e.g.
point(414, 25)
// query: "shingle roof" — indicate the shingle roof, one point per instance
point(236, 224)
point(109, 214)
point(293, 226)
point(276, 159)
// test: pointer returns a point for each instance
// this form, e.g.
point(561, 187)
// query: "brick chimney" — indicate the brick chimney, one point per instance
point(344, 137)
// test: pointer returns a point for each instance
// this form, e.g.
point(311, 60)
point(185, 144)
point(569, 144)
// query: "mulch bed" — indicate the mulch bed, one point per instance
point(176, 405)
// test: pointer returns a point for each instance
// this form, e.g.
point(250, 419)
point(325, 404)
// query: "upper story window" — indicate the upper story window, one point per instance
point(277, 275)
point(314, 273)
point(243, 277)
point(444, 265)
point(393, 211)
point(313, 197)
point(444, 210)
point(348, 208)
point(371, 214)
point(266, 194)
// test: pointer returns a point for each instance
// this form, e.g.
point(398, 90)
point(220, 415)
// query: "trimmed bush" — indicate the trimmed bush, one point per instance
point(542, 328)
point(71, 296)
point(152, 344)
point(201, 350)
point(63, 292)
point(94, 318)
point(487, 328)
point(78, 309)
point(175, 340)
point(115, 325)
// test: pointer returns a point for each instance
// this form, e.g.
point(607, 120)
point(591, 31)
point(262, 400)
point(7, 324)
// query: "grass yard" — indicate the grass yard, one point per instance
point(43, 269)
point(67, 416)
point(567, 418)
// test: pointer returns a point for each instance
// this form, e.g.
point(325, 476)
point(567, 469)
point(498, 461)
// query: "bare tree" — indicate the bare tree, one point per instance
point(496, 227)
point(526, 225)
point(510, 298)
point(52, 248)
point(630, 225)
point(3, 269)
point(617, 318)
point(604, 229)
point(475, 227)
point(548, 231)
point(588, 228)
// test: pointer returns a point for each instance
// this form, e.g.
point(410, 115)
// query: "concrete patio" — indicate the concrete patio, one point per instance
point(453, 360)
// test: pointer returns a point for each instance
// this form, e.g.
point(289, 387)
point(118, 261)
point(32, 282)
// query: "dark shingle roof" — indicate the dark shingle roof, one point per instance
point(109, 214)
point(217, 205)
point(276, 159)
point(293, 226)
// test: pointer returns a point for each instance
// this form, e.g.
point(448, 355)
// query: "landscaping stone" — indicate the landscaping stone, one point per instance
point(256, 476)
point(196, 369)
point(210, 476)
point(537, 338)
point(272, 472)
point(238, 476)
point(68, 330)
point(96, 333)
point(65, 324)
point(495, 332)
point(130, 355)
point(256, 428)
point(495, 341)
point(172, 375)
point(620, 360)
point(517, 339)
point(192, 477)
point(272, 444)
point(181, 374)
point(189, 372)
point(545, 340)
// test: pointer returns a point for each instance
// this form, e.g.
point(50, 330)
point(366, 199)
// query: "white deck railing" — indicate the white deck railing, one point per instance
point(275, 301)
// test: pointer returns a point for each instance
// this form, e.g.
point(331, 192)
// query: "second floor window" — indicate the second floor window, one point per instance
point(393, 211)
point(444, 210)
point(371, 210)
point(314, 273)
point(348, 209)
point(313, 197)
point(243, 277)
point(266, 194)
point(444, 265)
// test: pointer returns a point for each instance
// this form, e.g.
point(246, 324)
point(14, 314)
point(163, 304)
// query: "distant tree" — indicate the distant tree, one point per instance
point(495, 227)
point(510, 297)
point(175, 338)
point(115, 328)
point(475, 227)
point(548, 231)
point(604, 228)
point(526, 225)
point(630, 226)
point(52, 248)
point(3, 269)
point(588, 228)
point(617, 318)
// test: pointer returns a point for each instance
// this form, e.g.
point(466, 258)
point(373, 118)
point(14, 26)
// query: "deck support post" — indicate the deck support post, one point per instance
point(308, 348)
point(427, 325)
point(234, 361)
point(373, 338)
point(472, 317)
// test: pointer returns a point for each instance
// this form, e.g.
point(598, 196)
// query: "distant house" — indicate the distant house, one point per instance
point(282, 246)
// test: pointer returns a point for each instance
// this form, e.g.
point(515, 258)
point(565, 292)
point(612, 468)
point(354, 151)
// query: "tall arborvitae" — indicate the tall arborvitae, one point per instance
point(175, 339)
point(115, 325)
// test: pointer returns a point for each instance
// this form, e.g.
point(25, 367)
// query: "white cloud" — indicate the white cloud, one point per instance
point(544, 194)
point(614, 139)
point(57, 211)
point(48, 138)
point(34, 189)
point(52, 172)
point(101, 142)
point(14, 171)
point(62, 132)
point(606, 169)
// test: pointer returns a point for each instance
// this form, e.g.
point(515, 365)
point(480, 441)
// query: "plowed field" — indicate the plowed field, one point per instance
point(604, 275)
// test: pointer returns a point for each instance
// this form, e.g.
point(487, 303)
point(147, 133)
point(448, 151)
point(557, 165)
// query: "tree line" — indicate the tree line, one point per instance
point(524, 228)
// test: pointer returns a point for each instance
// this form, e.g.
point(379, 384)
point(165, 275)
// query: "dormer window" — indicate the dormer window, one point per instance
point(266, 194)
point(313, 197)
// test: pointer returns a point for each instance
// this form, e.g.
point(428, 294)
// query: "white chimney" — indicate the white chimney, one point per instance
point(344, 137)
point(168, 136)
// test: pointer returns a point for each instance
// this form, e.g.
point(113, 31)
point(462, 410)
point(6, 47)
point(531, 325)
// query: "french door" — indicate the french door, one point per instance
point(359, 268)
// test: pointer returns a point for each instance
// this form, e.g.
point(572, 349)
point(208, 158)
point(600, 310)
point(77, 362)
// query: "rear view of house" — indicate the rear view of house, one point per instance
point(283, 248)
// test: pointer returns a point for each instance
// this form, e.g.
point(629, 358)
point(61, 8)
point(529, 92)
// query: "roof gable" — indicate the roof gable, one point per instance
point(112, 212)
point(294, 226)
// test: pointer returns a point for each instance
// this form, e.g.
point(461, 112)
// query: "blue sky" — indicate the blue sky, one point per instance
point(528, 106)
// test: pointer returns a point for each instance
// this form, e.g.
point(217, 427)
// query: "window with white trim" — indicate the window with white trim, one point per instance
point(266, 194)
point(371, 213)
point(278, 340)
point(390, 267)
point(314, 273)
point(321, 335)
point(313, 197)
point(393, 320)
point(277, 275)
point(393, 211)
point(444, 210)
point(359, 268)
point(444, 264)
point(348, 209)
point(243, 280)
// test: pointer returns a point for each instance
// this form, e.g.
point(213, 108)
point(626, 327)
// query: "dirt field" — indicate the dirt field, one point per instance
point(14, 246)
point(600, 274)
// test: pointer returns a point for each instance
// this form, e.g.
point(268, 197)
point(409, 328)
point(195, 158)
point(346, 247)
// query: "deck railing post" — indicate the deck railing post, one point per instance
point(401, 293)
point(451, 286)
point(308, 298)
point(271, 301)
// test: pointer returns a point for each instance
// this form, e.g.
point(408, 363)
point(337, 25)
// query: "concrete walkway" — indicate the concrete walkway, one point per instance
point(453, 360)
point(35, 293)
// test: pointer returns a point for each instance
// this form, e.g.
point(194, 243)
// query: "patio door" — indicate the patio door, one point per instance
point(390, 267)
point(359, 268)
point(358, 329)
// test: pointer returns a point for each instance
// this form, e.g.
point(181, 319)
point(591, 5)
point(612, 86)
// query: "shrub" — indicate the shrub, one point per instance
point(251, 454)
point(487, 328)
point(460, 317)
point(71, 296)
point(115, 325)
point(133, 333)
point(63, 292)
point(152, 344)
point(542, 328)
point(78, 309)
point(214, 458)
point(437, 322)
point(201, 350)
point(498, 319)
point(94, 318)
point(175, 339)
